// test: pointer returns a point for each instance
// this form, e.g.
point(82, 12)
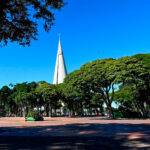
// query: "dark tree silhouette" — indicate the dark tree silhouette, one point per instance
point(18, 19)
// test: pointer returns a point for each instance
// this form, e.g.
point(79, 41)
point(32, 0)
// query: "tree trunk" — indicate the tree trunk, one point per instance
point(23, 111)
point(46, 110)
point(55, 111)
point(111, 115)
point(81, 109)
point(101, 110)
point(70, 113)
point(70, 110)
point(16, 111)
point(50, 111)
point(96, 112)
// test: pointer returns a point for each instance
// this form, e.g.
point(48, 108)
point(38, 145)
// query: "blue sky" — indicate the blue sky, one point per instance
point(90, 29)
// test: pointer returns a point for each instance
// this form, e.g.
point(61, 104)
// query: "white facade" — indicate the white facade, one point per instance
point(60, 67)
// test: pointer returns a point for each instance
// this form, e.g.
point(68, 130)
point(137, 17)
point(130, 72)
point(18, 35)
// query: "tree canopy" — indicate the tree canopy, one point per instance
point(101, 76)
point(124, 81)
point(145, 58)
point(18, 19)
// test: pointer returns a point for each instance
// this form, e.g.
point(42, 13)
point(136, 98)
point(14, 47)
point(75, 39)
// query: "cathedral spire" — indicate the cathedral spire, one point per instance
point(60, 67)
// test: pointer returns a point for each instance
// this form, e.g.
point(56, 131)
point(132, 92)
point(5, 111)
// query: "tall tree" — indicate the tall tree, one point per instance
point(75, 97)
point(101, 76)
point(144, 58)
point(50, 95)
point(18, 19)
point(23, 97)
point(134, 75)
point(5, 92)
point(98, 77)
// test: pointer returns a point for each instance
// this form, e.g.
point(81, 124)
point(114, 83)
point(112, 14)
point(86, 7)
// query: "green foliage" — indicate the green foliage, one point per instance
point(49, 92)
point(125, 81)
point(96, 99)
point(101, 76)
point(118, 115)
point(129, 109)
point(19, 24)
point(145, 58)
point(5, 92)
point(97, 77)
point(35, 114)
point(124, 93)
point(130, 70)
point(133, 100)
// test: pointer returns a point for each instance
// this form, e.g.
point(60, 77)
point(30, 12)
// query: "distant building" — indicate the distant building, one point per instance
point(60, 67)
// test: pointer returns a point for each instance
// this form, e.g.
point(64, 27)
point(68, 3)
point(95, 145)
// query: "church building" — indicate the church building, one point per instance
point(60, 67)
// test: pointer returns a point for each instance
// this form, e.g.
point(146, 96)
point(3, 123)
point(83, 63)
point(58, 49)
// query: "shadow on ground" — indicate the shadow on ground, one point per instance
point(71, 143)
point(77, 136)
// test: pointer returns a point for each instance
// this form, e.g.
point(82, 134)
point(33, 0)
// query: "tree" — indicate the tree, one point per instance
point(97, 103)
point(98, 77)
point(69, 97)
point(74, 96)
point(142, 100)
point(19, 98)
point(134, 76)
point(23, 98)
point(78, 98)
point(144, 58)
point(125, 81)
point(124, 98)
point(50, 95)
point(18, 19)
point(5, 92)
point(101, 76)
point(132, 70)
point(132, 100)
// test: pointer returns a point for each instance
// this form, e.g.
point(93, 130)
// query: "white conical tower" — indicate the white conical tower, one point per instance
point(60, 68)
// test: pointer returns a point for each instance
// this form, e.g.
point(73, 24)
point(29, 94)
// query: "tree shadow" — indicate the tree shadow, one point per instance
point(77, 136)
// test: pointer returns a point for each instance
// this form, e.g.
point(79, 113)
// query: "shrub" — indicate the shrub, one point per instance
point(118, 115)
point(35, 114)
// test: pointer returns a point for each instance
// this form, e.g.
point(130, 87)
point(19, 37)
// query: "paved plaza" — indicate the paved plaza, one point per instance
point(74, 133)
